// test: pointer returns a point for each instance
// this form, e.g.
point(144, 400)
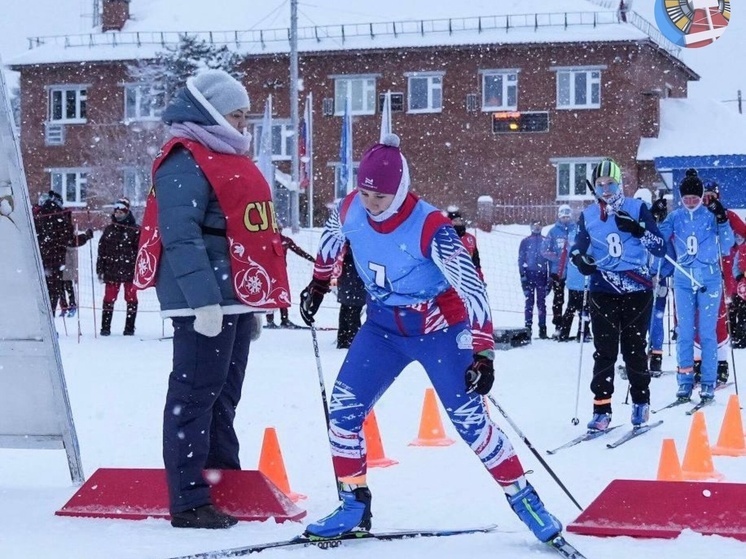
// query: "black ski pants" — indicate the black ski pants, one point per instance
point(620, 321)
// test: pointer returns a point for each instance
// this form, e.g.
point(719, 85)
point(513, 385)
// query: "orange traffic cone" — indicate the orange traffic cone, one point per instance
point(376, 456)
point(669, 468)
point(431, 427)
point(697, 463)
point(731, 441)
point(272, 465)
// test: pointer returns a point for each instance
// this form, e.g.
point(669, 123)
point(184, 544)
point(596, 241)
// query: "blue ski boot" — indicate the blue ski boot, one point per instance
point(706, 391)
point(686, 385)
point(640, 414)
point(529, 508)
point(599, 422)
point(353, 515)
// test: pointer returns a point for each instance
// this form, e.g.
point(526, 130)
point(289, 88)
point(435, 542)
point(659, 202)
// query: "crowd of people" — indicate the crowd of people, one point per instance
point(210, 245)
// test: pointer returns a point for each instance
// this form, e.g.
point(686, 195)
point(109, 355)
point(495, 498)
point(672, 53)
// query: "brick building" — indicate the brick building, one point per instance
point(516, 107)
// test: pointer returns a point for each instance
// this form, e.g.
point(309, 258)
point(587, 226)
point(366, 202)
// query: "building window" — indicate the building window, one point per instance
point(425, 93)
point(579, 89)
point(573, 177)
point(340, 189)
point(143, 102)
point(136, 185)
point(282, 140)
point(499, 90)
point(67, 104)
point(71, 184)
point(361, 91)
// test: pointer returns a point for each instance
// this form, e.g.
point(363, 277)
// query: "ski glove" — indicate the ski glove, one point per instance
point(716, 207)
point(585, 263)
point(311, 298)
point(480, 375)
point(659, 209)
point(208, 320)
point(629, 224)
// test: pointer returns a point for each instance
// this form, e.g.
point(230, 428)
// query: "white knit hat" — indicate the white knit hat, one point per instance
point(221, 90)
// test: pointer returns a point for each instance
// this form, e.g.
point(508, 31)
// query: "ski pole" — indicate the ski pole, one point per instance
point(93, 280)
point(575, 420)
point(727, 314)
point(322, 389)
point(534, 451)
point(680, 268)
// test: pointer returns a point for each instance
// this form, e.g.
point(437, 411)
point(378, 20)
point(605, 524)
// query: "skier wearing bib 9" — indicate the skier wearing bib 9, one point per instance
point(612, 246)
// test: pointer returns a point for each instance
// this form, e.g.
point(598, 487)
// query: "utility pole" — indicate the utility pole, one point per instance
point(295, 160)
point(740, 107)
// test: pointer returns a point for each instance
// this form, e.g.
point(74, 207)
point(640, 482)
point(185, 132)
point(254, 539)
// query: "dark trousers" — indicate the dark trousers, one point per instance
point(53, 279)
point(535, 291)
point(558, 300)
point(349, 324)
point(620, 320)
point(203, 391)
point(737, 318)
point(574, 305)
point(67, 295)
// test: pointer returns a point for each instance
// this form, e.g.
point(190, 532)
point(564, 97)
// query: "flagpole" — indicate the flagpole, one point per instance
point(295, 159)
point(309, 155)
point(348, 151)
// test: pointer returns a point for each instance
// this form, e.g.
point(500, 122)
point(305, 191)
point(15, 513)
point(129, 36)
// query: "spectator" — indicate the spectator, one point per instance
point(469, 240)
point(211, 247)
point(351, 298)
point(68, 302)
point(555, 250)
point(534, 271)
point(55, 233)
point(287, 244)
point(115, 265)
point(577, 303)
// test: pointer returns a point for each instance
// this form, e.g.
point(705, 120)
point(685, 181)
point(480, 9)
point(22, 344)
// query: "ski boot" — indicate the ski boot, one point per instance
point(529, 508)
point(206, 516)
point(640, 415)
point(353, 515)
point(599, 422)
point(656, 364)
point(706, 391)
point(686, 385)
point(543, 333)
point(271, 324)
point(289, 325)
point(722, 371)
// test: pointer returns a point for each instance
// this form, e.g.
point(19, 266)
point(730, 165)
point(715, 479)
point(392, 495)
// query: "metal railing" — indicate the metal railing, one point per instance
point(344, 32)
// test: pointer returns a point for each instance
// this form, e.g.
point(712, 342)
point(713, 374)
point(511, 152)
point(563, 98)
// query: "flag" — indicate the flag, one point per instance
point(345, 154)
point(385, 117)
point(264, 151)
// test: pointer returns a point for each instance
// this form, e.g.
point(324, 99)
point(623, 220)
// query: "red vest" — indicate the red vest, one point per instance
point(257, 259)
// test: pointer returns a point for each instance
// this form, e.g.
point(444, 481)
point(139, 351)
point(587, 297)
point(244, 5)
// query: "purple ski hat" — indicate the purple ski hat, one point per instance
point(383, 168)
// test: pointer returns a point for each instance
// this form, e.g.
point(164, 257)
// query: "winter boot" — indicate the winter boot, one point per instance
point(206, 516)
point(722, 370)
point(71, 311)
point(543, 332)
point(529, 508)
point(599, 422)
point(353, 515)
point(289, 325)
point(656, 363)
point(106, 315)
point(706, 391)
point(640, 414)
point(697, 372)
point(686, 385)
point(271, 322)
point(129, 323)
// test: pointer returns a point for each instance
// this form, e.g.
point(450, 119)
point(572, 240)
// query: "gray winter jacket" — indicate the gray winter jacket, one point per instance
point(195, 266)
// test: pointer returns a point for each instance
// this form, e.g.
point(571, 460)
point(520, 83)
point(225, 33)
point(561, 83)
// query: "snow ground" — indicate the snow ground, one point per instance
point(117, 388)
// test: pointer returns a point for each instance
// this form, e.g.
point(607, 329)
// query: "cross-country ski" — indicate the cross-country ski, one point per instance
point(587, 436)
point(634, 432)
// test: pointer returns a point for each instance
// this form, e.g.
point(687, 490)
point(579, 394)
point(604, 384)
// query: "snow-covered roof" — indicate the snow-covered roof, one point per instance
point(695, 127)
point(333, 25)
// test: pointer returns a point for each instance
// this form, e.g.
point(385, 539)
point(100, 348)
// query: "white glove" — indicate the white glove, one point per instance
point(208, 320)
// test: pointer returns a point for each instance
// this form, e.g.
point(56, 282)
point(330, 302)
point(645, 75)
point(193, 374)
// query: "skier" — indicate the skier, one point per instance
point(427, 304)
point(700, 234)
point(534, 271)
point(611, 246)
point(470, 241)
point(287, 244)
point(577, 302)
point(556, 251)
point(115, 265)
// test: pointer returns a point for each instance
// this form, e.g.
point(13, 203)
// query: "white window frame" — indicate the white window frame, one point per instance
point(509, 77)
point(58, 181)
point(571, 165)
point(593, 76)
point(81, 99)
point(142, 93)
point(136, 185)
point(434, 91)
point(286, 142)
point(362, 102)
